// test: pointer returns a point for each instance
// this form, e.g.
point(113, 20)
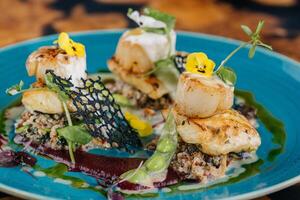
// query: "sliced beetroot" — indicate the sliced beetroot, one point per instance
point(113, 195)
point(9, 158)
point(25, 158)
point(108, 169)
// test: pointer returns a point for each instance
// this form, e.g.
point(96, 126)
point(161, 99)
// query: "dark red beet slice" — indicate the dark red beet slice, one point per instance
point(101, 167)
point(10, 158)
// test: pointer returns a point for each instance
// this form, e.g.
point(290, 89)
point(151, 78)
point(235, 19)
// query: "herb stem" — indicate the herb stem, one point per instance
point(29, 89)
point(170, 43)
point(25, 90)
point(67, 113)
point(231, 54)
point(70, 145)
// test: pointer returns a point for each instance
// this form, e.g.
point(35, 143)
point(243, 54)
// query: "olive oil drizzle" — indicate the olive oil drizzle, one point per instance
point(272, 124)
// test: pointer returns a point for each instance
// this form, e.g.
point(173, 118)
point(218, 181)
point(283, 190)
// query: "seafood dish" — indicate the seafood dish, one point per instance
point(175, 113)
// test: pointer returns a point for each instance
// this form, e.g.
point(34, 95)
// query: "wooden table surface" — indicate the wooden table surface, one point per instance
point(26, 19)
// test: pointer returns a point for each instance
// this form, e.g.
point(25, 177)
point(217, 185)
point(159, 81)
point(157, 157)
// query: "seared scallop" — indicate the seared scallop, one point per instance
point(53, 58)
point(220, 134)
point(45, 101)
point(149, 85)
point(200, 96)
point(138, 50)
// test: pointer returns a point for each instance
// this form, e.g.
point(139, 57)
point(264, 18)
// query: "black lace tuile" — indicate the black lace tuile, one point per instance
point(101, 114)
point(180, 61)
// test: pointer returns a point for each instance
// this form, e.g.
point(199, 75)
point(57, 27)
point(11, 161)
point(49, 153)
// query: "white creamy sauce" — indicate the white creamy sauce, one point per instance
point(27, 169)
point(85, 185)
point(39, 174)
point(166, 190)
point(62, 181)
point(155, 45)
point(235, 169)
point(152, 190)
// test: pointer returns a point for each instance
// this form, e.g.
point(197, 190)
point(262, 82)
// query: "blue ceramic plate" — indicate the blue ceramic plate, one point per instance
point(273, 79)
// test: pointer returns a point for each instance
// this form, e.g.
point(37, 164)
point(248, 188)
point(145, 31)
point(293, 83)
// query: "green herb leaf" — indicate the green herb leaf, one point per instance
point(130, 11)
point(169, 20)
point(155, 30)
point(227, 75)
point(162, 63)
point(52, 86)
point(165, 62)
point(75, 134)
point(15, 89)
point(22, 129)
point(122, 100)
point(259, 27)
point(247, 30)
point(167, 74)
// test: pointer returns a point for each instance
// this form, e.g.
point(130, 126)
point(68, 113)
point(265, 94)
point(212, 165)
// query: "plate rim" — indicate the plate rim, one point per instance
point(254, 194)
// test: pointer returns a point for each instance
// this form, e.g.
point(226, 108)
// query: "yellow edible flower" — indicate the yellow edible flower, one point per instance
point(143, 128)
point(72, 48)
point(199, 63)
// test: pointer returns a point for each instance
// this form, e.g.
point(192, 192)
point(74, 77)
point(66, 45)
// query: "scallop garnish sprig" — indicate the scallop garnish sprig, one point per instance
point(199, 62)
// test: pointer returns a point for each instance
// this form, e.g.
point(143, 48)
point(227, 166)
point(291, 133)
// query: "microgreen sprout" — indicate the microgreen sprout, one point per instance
point(226, 73)
point(18, 89)
point(63, 98)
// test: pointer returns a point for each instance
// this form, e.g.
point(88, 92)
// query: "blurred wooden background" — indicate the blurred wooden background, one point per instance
point(26, 19)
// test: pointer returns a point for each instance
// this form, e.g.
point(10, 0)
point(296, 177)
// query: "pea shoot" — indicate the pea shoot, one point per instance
point(18, 89)
point(159, 162)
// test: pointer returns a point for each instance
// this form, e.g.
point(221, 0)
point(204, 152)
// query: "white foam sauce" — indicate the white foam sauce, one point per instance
point(62, 181)
point(166, 190)
point(39, 174)
point(155, 45)
point(152, 190)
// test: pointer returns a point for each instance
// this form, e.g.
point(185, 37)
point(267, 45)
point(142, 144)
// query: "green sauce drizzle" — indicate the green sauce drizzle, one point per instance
point(59, 170)
point(272, 124)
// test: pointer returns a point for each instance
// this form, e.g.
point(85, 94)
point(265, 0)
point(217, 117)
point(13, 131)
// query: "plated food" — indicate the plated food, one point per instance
point(173, 104)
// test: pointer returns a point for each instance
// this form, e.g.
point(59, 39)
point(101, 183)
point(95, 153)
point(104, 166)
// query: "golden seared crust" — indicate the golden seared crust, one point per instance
point(45, 56)
point(199, 96)
point(53, 58)
point(132, 56)
point(222, 133)
point(45, 101)
point(149, 85)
